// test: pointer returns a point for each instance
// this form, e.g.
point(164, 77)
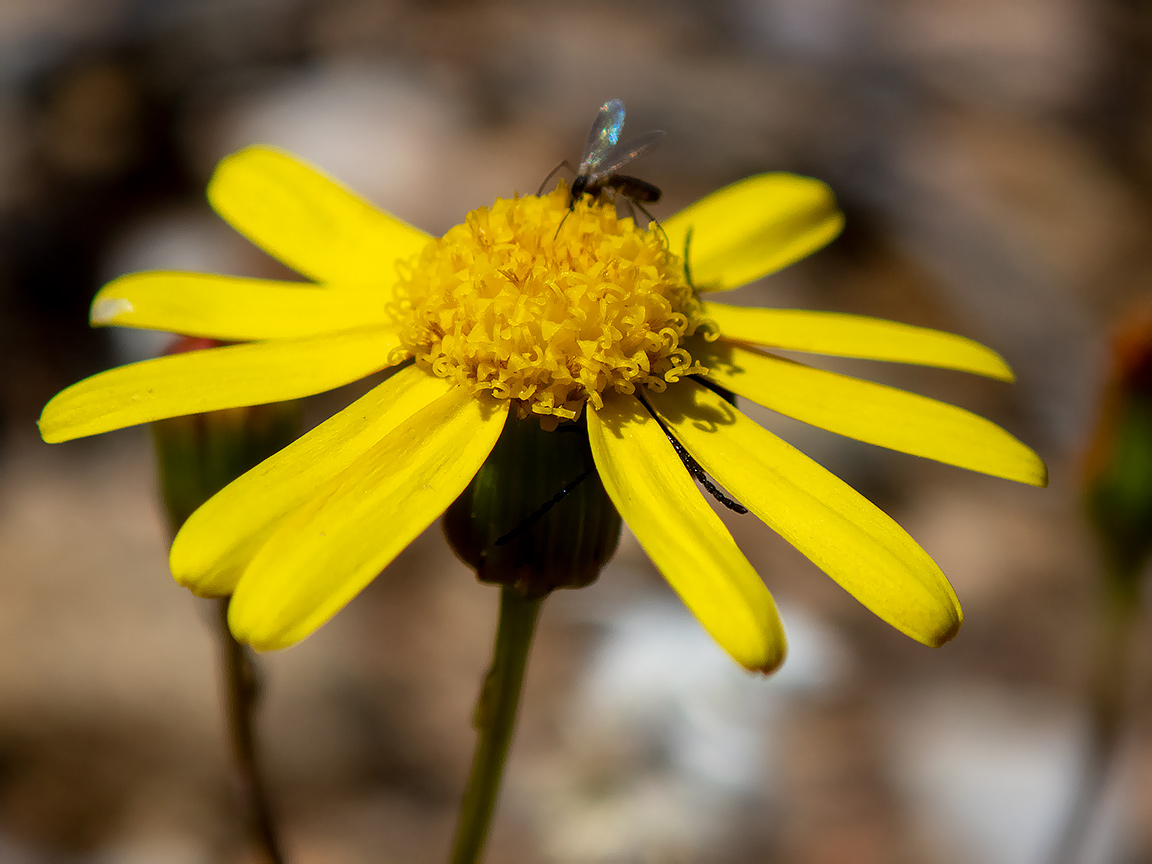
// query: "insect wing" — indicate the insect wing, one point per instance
point(604, 135)
point(620, 156)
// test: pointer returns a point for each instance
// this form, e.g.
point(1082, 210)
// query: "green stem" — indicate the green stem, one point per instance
point(240, 694)
point(495, 719)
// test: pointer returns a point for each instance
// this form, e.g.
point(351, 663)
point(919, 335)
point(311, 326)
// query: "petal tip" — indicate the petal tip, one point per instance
point(1041, 478)
point(836, 221)
point(243, 165)
point(772, 661)
point(1028, 468)
point(203, 576)
point(49, 435)
point(205, 585)
point(106, 310)
point(260, 630)
point(1000, 370)
point(251, 152)
point(947, 632)
point(1025, 467)
point(52, 429)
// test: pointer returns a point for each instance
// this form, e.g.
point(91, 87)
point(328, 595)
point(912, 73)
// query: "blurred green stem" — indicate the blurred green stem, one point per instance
point(196, 457)
point(495, 719)
point(241, 692)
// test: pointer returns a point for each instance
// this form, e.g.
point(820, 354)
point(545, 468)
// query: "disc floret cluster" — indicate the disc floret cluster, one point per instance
point(549, 306)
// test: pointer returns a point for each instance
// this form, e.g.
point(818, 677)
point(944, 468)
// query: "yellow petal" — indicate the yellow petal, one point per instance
point(324, 553)
point(235, 309)
point(752, 228)
point(220, 538)
point(682, 535)
point(843, 533)
point(873, 412)
point(215, 378)
point(304, 218)
point(858, 336)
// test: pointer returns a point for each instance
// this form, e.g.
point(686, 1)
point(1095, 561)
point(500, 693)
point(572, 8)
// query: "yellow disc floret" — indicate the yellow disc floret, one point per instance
point(549, 307)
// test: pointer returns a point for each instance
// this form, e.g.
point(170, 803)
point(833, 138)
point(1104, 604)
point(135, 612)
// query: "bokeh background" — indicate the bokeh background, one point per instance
point(993, 159)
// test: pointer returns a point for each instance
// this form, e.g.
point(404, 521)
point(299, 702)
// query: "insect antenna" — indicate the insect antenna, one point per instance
point(687, 265)
point(552, 173)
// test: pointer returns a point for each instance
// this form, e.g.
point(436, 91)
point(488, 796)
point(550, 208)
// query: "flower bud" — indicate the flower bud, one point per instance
point(536, 516)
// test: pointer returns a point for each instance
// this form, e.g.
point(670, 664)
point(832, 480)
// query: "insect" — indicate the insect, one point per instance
point(604, 155)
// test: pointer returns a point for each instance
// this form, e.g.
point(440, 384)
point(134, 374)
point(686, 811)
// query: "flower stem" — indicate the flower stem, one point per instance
point(241, 690)
point(494, 720)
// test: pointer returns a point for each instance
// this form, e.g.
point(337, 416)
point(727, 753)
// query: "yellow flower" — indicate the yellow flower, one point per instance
point(514, 311)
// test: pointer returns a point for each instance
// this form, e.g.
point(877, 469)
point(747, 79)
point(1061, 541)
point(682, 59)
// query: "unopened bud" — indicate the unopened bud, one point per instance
point(536, 516)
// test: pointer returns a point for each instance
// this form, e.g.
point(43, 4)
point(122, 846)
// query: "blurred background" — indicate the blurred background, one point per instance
point(994, 160)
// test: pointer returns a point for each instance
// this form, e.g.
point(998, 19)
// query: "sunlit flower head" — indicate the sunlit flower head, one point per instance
point(532, 311)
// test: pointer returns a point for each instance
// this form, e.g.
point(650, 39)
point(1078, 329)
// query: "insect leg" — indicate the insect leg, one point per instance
point(651, 219)
point(694, 468)
point(631, 205)
point(542, 510)
point(563, 219)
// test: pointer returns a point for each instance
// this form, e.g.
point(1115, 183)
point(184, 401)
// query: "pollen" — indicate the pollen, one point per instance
point(549, 307)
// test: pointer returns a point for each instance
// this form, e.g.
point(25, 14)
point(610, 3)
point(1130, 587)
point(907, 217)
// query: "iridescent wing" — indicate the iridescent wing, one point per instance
point(604, 135)
point(619, 156)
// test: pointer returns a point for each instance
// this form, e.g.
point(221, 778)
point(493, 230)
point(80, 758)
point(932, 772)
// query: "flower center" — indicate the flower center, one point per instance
point(549, 308)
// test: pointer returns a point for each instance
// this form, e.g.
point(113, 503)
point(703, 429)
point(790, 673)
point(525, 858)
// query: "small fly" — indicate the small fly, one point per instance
point(604, 156)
